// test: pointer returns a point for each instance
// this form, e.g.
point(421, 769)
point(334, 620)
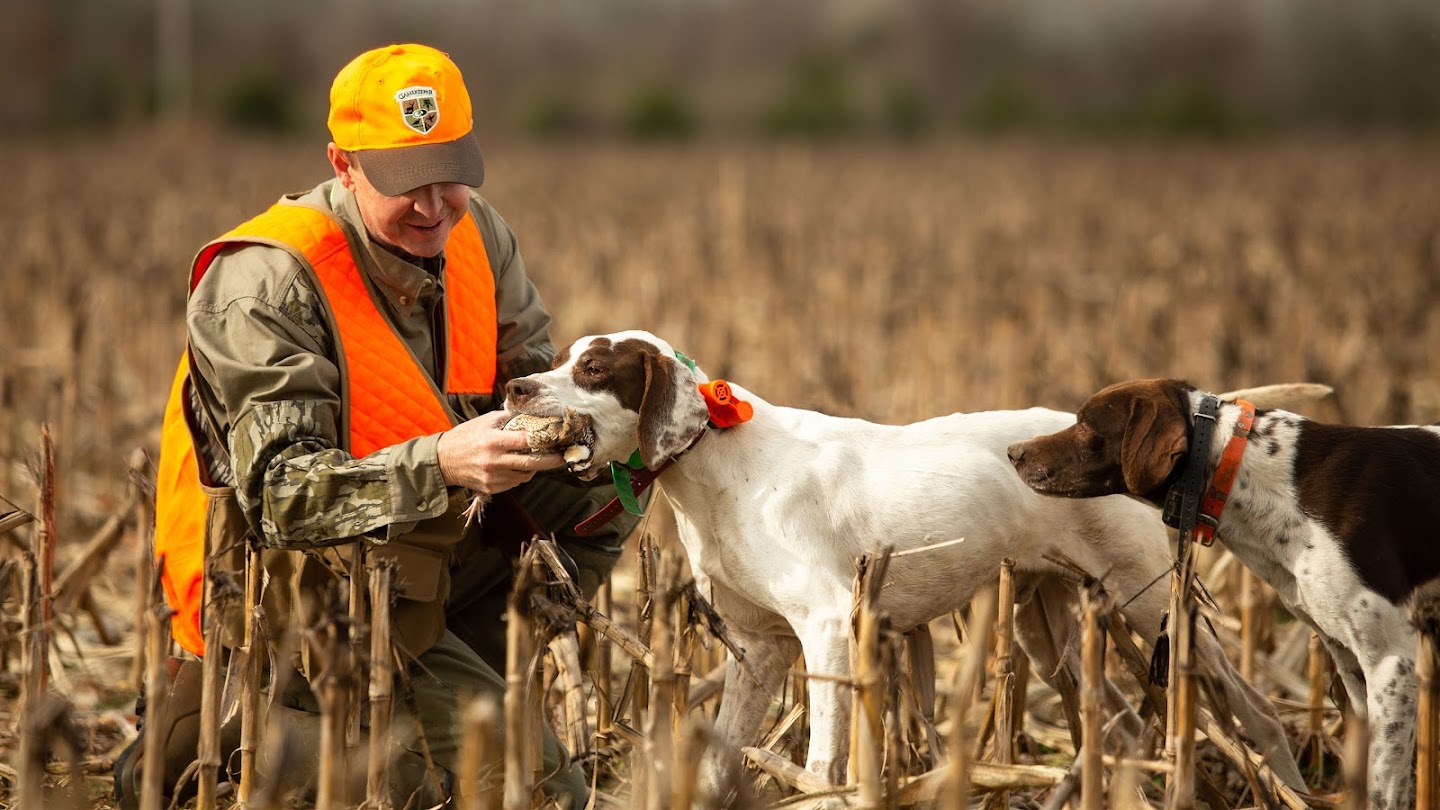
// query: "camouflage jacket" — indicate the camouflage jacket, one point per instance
point(268, 377)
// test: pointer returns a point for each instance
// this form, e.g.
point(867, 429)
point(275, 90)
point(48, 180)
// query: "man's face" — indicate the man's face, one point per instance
point(417, 222)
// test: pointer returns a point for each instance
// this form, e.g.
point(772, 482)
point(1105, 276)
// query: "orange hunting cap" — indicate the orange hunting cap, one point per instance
point(404, 111)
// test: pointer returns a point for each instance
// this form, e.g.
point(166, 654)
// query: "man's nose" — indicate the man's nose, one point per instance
point(521, 389)
point(427, 200)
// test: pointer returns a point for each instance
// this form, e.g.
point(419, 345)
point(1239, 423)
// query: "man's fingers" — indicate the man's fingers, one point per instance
point(494, 418)
point(544, 461)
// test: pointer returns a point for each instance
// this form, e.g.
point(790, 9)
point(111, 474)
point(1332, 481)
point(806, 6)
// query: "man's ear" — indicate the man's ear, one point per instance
point(1155, 440)
point(341, 162)
point(671, 411)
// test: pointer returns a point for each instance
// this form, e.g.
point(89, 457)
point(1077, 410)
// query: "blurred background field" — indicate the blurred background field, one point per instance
point(881, 211)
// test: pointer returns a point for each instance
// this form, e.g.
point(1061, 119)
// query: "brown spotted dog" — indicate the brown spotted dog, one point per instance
point(773, 512)
point(1343, 521)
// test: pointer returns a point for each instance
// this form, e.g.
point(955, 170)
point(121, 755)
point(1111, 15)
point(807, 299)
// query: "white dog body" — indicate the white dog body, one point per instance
point(774, 512)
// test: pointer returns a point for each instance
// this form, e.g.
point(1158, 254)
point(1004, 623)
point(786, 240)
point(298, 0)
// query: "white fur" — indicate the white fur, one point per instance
point(773, 513)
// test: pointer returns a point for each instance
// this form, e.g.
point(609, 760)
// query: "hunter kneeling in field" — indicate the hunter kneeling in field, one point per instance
point(345, 347)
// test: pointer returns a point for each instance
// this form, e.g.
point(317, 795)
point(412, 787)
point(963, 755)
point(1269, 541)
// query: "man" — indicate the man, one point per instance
point(348, 349)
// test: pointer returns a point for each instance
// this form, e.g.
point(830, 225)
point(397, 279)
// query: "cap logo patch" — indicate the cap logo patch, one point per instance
point(418, 108)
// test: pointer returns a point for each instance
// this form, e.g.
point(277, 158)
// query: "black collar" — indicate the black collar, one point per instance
point(1182, 502)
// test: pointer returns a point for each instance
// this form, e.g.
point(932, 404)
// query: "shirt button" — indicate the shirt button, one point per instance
point(422, 505)
point(427, 283)
point(404, 300)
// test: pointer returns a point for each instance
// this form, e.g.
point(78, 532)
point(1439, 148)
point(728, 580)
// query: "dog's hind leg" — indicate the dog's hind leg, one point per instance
point(1047, 629)
point(749, 688)
point(1392, 689)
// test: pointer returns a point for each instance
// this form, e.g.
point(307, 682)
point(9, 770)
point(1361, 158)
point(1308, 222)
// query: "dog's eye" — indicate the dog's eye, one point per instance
point(1088, 440)
point(592, 369)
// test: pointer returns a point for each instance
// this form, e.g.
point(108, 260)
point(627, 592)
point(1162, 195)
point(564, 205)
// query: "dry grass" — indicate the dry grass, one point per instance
point(877, 281)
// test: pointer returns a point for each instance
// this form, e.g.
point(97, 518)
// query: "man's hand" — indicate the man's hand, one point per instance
point(481, 456)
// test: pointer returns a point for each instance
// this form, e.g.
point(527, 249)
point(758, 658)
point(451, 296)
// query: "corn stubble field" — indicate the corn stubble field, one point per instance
point(881, 281)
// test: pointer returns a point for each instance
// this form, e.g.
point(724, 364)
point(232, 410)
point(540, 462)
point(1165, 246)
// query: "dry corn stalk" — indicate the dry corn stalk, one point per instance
point(519, 676)
point(480, 749)
point(156, 700)
point(1002, 712)
point(1181, 794)
point(639, 679)
point(334, 685)
point(359, 584)
point(565, 650)
point(382, 683)
point(596, 619)
point(218, 592)
point(660, 728)
point(1092, 699)
point(870, 678)
point(1427, 742)
point(251, 721)
point(602, 662)
point(1357, 765)
point(144, 568)
point(958, 774)
point(44, 551)
point(32, 771)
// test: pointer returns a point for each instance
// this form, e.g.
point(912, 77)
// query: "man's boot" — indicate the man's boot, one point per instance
point(180, 728)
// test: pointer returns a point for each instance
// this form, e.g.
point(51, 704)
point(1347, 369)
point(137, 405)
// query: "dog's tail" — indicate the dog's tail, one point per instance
point(1300, 397)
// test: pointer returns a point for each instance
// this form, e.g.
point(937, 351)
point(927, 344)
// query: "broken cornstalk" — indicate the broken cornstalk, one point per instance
point(1092, 700)
point(382, 684)
point(955, 793)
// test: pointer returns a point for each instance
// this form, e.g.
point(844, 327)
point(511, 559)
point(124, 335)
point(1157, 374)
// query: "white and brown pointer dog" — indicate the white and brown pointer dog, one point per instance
point(773, 512)
point(1343, 521)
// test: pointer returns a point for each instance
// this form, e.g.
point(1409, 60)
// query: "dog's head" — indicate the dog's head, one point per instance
point(631, 386)
point(1127, 439)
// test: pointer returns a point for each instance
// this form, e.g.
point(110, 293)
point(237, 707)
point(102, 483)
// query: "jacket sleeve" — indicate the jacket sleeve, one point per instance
point(264, 359)
point(523, 341)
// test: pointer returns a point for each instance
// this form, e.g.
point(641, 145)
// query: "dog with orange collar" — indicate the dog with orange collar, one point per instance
point(1340, 520)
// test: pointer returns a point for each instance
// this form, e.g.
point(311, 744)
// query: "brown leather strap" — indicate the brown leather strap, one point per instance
point(640, 480)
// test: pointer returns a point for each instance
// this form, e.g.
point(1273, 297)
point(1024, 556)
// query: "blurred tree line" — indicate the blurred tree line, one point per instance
point(673, 68)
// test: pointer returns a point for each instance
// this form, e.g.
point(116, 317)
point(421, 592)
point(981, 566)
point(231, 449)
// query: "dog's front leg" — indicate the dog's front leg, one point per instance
point(827, 654)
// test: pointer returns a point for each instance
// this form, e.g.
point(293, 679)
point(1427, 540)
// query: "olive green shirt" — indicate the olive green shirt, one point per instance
point(269, 379)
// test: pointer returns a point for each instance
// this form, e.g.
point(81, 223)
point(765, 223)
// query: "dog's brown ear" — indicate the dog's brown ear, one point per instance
point(1155, 441)
point(671, 410)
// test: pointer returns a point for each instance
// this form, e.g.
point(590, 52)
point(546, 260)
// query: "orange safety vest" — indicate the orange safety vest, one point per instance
point(386, 398)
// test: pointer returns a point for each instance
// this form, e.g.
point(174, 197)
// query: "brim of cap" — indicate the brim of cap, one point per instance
point(405, 168)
